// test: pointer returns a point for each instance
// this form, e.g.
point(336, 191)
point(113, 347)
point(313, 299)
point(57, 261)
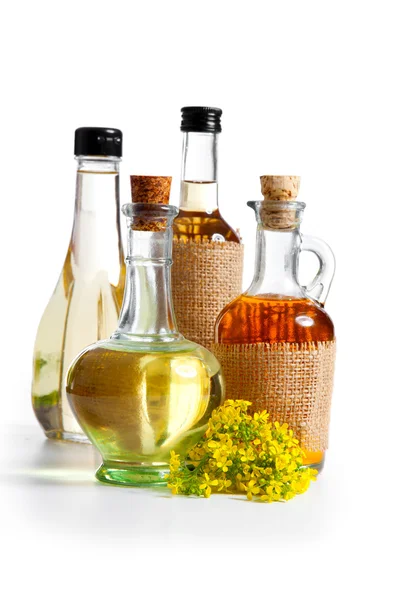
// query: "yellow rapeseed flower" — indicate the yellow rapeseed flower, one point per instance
point(242, 453)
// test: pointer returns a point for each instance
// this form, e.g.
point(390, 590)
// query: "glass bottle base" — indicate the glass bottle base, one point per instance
point(132, 475)
point(316, 465)
point(67, 436)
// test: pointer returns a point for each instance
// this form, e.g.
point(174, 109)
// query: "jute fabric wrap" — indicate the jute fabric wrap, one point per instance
point(292, 382)
point(205, 277)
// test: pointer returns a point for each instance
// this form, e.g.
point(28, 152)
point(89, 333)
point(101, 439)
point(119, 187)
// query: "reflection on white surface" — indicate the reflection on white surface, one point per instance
point(52, 462)
point(51, 487)
point(57, 521)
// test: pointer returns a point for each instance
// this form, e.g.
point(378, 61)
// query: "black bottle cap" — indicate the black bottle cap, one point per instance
point(201, 118)
point(98, 141)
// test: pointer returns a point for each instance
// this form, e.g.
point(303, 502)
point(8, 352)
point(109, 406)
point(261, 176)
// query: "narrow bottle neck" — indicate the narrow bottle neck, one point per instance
point(199, 185)
point(147, 311)
point(96, 237)
point(276, 263)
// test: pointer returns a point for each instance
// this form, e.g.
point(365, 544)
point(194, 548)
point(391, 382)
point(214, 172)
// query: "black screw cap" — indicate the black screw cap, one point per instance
point(98, 141)
point(204, 119)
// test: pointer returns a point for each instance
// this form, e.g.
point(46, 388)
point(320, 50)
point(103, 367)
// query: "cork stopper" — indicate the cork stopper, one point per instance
point(278, 189)
point(151, 190)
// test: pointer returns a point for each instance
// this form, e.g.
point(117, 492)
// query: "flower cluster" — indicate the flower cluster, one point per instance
point(242, 453)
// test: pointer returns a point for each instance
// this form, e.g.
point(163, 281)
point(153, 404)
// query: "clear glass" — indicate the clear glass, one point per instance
point(146, 390)
point(87, 299)
point(199, 218)
point(276, 308)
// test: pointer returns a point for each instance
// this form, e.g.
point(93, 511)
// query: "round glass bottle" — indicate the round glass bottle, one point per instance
point(147, 390)
point(275, 342)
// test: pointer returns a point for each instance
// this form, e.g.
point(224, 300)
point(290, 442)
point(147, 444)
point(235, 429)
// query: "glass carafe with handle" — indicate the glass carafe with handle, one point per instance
point(276, 342)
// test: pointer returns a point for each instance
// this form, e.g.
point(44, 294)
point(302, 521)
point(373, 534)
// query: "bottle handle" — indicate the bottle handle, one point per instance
point(319, 287)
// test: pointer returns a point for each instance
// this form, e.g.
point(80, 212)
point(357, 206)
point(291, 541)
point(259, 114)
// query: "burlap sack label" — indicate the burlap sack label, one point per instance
point(292, 382)
point(206, 276)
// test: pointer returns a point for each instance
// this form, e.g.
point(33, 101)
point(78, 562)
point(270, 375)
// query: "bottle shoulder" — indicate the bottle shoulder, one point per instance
point(179, 347)
point(203, 226)
point(264, 318)
point(110, 357)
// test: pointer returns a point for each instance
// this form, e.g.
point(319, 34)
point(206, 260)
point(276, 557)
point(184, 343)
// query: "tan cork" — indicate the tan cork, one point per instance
point(150, 189)
point(280, 187)
point(275, 189)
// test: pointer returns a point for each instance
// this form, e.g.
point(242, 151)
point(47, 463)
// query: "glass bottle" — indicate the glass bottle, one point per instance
point(199, 217)
point(275, 342)
point(87, 299)
point(208, 255)
point(147, 390)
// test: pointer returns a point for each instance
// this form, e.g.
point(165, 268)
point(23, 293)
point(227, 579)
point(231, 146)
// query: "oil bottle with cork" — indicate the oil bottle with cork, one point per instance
point(146, 390)
point(276, 342)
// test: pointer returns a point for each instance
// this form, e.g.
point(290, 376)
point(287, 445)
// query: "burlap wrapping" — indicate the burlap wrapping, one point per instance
point(293, 382)
point(205, 277)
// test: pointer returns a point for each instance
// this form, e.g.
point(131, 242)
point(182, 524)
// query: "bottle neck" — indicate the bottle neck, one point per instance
point(199, 185)
point(96, 239)
point(276, 263)
point(147, 311)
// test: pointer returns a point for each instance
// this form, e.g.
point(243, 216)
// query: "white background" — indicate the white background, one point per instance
point(308, 88)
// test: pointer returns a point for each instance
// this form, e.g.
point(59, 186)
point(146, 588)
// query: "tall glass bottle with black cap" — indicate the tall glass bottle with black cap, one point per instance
point(208, 255)
point(87, 299)
point(199, 217)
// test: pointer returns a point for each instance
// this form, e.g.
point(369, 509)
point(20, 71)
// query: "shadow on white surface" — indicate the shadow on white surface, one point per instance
point(50, 486)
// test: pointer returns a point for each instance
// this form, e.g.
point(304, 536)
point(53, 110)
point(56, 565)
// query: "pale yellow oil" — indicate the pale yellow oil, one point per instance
point(137, 406)
point(85, 304)
point(199, 218)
